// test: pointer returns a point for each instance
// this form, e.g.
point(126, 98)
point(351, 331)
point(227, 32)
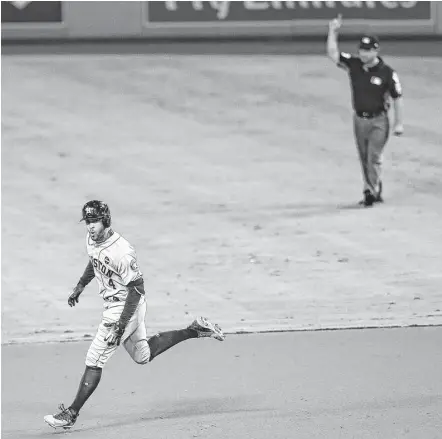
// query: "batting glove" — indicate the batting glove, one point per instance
point(73, 298)
point(115, 333)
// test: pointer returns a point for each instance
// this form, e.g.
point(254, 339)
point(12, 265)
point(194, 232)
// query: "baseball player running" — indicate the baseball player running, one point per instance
point(113, 262)
point(373, 84)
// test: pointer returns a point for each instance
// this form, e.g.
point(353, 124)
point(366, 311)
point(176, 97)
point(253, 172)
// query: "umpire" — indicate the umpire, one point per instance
point(373, 85)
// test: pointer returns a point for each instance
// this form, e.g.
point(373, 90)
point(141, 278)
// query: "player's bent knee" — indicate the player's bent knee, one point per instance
point(142, 352)
point(142, 357)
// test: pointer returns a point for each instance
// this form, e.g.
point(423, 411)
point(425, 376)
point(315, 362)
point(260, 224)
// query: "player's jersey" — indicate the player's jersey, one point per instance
point(115, 265)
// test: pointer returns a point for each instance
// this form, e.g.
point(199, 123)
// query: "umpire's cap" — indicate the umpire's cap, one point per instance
point(369, 42)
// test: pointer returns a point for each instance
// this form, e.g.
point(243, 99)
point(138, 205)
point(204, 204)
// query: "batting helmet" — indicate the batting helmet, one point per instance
point(96, 210)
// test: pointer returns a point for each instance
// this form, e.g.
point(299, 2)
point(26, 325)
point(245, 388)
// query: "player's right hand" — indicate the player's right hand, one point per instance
point(75, 295)
point(336, 23)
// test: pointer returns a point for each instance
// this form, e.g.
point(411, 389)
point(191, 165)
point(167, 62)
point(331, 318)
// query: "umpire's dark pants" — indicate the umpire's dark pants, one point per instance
point(371, 137)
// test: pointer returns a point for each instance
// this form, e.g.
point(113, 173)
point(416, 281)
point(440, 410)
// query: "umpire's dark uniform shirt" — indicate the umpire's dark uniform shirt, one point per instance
point(372, 86)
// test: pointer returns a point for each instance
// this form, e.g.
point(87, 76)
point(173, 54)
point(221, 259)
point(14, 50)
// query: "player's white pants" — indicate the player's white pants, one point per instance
point(134, 338)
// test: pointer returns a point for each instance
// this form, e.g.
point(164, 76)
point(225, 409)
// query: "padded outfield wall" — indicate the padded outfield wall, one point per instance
point(67, 20)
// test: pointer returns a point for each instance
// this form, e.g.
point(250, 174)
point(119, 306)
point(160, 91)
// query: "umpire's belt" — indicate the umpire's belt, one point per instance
point(113, 299)
point(369, 114)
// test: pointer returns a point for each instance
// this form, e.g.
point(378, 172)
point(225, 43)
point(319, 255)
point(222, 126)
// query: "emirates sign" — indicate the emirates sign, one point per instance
point(265, 11)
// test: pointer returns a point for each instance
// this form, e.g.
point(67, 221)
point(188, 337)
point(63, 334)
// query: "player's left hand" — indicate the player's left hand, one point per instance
point(114, 335)
point(75, 295)
point(398, 129)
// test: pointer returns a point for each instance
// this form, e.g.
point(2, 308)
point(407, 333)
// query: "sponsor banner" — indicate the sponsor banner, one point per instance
point(277, 11)
point(31, 12)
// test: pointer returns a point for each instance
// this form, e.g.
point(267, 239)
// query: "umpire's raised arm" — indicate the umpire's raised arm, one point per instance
point(332, 39)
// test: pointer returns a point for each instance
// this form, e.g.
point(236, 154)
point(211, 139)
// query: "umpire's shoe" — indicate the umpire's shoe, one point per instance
point(368, 200)
point(379, 198)
point(204, 328)
point(64, 419)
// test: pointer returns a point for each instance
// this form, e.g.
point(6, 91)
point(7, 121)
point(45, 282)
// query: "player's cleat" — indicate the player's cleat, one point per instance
point(64, 419)
point(204, 328)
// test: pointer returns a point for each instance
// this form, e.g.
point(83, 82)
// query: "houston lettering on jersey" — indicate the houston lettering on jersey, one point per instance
point(106, 271)
point(115, 265)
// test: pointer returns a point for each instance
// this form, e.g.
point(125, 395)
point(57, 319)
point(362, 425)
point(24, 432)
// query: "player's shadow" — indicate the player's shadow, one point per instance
point(309, 210)
point(189, 408)
point(350, 206)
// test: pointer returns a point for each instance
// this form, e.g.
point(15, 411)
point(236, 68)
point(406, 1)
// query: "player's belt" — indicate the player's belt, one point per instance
point(369, 114)
point(113, 299)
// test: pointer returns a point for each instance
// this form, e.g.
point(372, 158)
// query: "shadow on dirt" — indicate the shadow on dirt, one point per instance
point(192, 408)
point(307, 210)
point(100, 422)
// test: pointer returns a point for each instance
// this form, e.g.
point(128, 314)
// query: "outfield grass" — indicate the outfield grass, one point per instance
point(236, 179)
